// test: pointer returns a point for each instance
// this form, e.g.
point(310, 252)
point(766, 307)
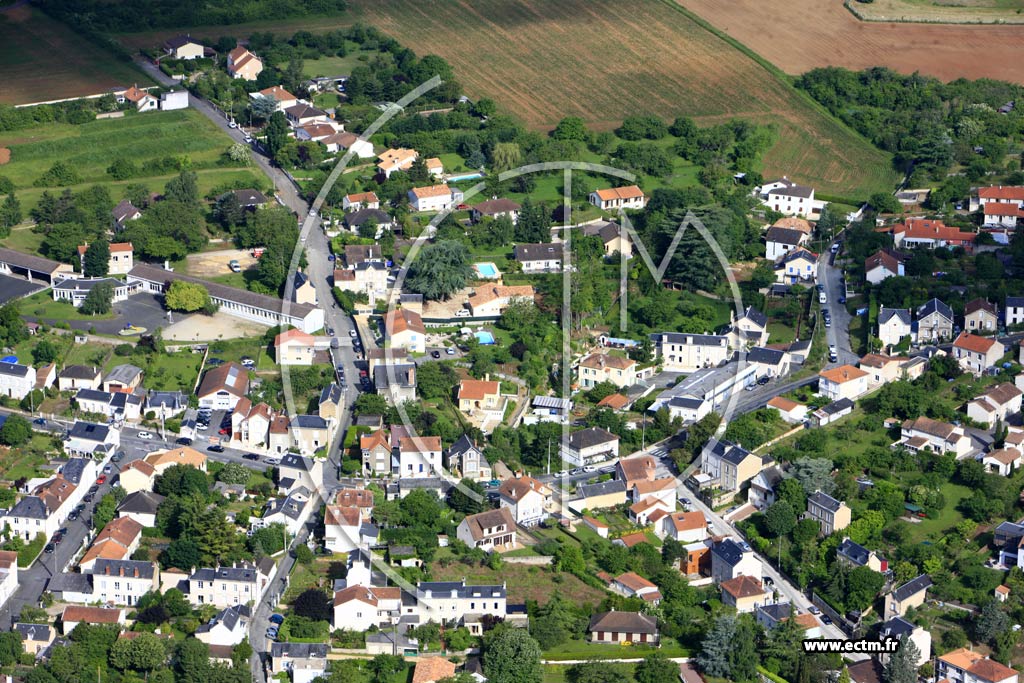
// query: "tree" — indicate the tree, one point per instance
point(10, 648)
point(314, 604)
point(505, 156)
point(598, 672)
point(512, 656)
point(780, 518)
point(569, 558)
point(902, 664)
point(187, 296)
point(656, 668)
point(193, 661)
point(16, 431)
point(991, 622)
point(440, 270)
point(10, 214)
point(228, 211)
point(240, 153)
point(96, 262)
point(570, 128)
point(303, 555)
point(276, 133)
point(421, 508)
point(468, 497)
point(122, 169)
point(183, 188)
point(862, 585)
point(262, 107)
point(181, 553)
point(884, 202)
point(384, 667)
point(168, 230)
point(234, 473)
point(716, 648)
point(181, 480)
point(99, 300)
point(12, 327)
point(814, 474)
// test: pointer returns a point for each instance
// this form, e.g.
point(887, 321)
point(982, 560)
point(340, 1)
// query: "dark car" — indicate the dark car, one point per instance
point(251, 456)
point(184, 441)
point(763, 380)
point(330, 331)
point(435, 354)
point(842, 299)
point(88, 498)
point(340, 369)
point(94, 489)
point(73, 515)
point(826, 620)
point(276, 619)
point(48, 549)
point(215, 448)
point(57, 538)
point(39, 421)
point(117, 457)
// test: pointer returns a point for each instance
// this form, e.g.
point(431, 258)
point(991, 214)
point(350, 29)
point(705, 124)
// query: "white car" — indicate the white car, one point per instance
point(589, 468)
point(232, 124)
point(561, 474)
point(145, 435)
point(273, 461)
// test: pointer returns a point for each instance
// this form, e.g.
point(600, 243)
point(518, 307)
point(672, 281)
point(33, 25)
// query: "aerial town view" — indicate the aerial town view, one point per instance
point(511, 341)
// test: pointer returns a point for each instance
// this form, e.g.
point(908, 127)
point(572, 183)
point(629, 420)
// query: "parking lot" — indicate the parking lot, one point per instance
point(15, 288)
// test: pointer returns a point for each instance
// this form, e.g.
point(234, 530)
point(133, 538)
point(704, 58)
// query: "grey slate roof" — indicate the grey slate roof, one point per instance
point(175, 400)
point(244, 573)
point(299, 650)
point(765, 356)
point(729, 550)
point(538, 252)
point(730, 452)
point(897, 627)
point(79, 372)
point(123, 374)
point(911, 587)
point(424, 589)
point(33, 631)
point(142, 502)
point(87, 283)
point(836, 407)
point(361, 217)
point(309, 422)
point(229, 617)
point(776, 611)
point(854, 552)
point(935, 306)
point(294, 461)
point(886, 314)
point(784, 236)
point(73, 469)
point(462, 446)
point(755, 316)
point(248, 197)
point(694, 339)
point(824, 500)
point(89, 431)
point(29, 507)
point(601, 488)
point(623, 622)
point(591, 436)
point(331, 393)
point(404, 373)
point(125, 568)
point(70, 582)
point(793, 190)
point(13, 369)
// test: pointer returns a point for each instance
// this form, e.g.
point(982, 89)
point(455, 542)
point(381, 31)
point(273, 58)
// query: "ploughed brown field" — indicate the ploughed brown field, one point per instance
point(603, 60)
point(799, 35)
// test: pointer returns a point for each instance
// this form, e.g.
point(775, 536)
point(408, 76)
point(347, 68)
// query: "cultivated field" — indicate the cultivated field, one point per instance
point(41, 59)
point(799, 35)
point(603, 60)
point(941, 11)
point(91, 147)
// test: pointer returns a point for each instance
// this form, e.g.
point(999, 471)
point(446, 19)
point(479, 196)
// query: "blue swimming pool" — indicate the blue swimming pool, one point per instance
point(467, 176)
point(486, 270)
point(484, 337)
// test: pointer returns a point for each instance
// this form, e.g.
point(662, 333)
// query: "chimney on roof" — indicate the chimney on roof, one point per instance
point(120, 570)
point(106, 570)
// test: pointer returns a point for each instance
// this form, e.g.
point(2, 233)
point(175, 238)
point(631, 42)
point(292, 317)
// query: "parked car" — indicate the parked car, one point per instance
point(48, 549)
point(763, 380)
point(145, 435)
point(215, 448)
point(563, 473)
point(117, 457)
point(273, 461)
point(88, 498)
point(435, 354)
point(330, 331)
point(251, 456)
point(825, 619)
point(352, 333)
point(39, 422)
point(102, 479)
point(73, 515)
point(589, 468)
point(450, 351)
point(276, 619)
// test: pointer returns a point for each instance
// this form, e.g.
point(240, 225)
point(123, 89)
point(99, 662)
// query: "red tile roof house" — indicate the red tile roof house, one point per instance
point(930, 234)
point(74, 615)
point(632, 584)
point(977, 354)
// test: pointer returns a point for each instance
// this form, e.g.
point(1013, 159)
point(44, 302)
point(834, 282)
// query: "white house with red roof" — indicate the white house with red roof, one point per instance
point(1001, 214)
point(434, 197)
point(975, 353)
point(998, 194)
point(927, 233)
point(243, 64)
point(360, 607)
point(614, 198)
point(789, 198)
point(846, 381)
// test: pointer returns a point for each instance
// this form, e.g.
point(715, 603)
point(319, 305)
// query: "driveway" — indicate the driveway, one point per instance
point(141, 310)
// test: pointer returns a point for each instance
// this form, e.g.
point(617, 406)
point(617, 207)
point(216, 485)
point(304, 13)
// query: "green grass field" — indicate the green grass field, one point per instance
point(90, 148)
point(42, 59)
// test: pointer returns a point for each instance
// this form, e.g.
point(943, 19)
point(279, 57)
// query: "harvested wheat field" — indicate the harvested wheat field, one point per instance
point(799, 35)
point(603, 60)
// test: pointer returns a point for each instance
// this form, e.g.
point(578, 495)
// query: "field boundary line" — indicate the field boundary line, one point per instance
point(974, 21)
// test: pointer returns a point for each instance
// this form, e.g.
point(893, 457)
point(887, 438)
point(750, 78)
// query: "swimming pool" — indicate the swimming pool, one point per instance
point(484, 337)
point(467, 176)
point(486, 270)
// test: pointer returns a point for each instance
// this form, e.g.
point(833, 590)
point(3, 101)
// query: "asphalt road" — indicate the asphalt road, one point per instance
point(838, 334)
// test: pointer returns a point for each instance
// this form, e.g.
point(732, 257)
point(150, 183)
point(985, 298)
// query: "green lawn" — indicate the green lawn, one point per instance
point(42, 305)
point(947, 518)
point(91, 147)
point(24, 239)
point(337, 66)
point(581, 649)
point(25, 461)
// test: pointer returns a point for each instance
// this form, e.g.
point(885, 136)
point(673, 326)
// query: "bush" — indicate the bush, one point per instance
point(303, 555)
